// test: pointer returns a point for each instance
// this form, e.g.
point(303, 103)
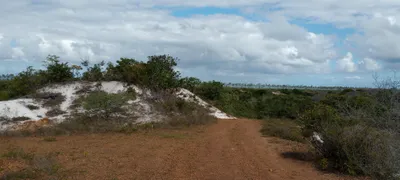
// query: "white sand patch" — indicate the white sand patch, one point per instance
point(17, 108)
point(111, 87)
point(189, 96)
point(67, 90)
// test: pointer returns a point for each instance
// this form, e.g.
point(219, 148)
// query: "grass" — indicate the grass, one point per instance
point(174, 136)
point(21, 174)
point(37, 166)
point(50, 99)
point(20, 118)
point(54, 112)
point(282, 128)
point(49, 139)
point(18, 153)
point(32, 107)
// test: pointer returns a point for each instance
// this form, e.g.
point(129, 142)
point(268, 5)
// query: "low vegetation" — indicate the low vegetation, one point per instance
point(286, 129)
point(30, 165)
point(359, 128)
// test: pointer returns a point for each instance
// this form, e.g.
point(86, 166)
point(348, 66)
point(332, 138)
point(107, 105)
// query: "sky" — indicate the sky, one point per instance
point(297, 42)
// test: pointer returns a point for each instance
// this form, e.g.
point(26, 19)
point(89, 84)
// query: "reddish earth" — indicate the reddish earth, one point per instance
point(228, 149)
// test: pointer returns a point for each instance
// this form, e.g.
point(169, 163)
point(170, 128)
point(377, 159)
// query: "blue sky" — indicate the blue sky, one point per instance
point(256, 41)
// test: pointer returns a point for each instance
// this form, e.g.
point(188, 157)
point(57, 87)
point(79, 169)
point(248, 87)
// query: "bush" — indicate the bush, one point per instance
point(56, 71)
point(189, 83)
point(160, 73)
point(94, 73)
point(103, 105)
point(50, 99)
point(369, 151)
point(351, 145)
point(4, 95)
point(285, 129)
point(26, 82)
point(181, 112)
point(32, 107)
point(210, 90)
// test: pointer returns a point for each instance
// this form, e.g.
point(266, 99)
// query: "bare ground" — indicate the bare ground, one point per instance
point(228, 149)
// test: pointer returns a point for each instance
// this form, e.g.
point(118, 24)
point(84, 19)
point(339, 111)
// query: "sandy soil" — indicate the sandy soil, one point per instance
point(229, 149)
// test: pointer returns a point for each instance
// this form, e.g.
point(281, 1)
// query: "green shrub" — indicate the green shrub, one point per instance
point(56, 71)
point(283, 128)
point(160, 73)
point(351, 145)
point(20, 118)
point(210, 90)
point(94, 73)
point(183, 113)
point(32, 107)
point(189, 83)
point(4, 95)
point(104, 105)
point(49, 139)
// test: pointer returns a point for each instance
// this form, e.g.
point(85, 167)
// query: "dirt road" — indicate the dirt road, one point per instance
point(229, 149)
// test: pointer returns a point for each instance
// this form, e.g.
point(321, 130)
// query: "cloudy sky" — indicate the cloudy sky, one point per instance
point(309, 42)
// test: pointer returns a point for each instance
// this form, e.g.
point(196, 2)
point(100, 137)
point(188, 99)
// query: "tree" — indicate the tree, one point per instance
point(210, 90)
point(189, 83)
point(55, 71)
point(94, 73)
point(160, 73)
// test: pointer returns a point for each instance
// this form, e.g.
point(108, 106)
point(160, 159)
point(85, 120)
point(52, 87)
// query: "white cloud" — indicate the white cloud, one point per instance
point(109, 31)
point(380, 39)
point(353, 77)
point(370, 64)
point(347, 64)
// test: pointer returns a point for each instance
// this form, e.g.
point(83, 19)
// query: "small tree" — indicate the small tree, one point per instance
point(56, 71)
point(25, 82)
point(94, 73)
point(189, 83)
point(160, 73)
point(210, 90)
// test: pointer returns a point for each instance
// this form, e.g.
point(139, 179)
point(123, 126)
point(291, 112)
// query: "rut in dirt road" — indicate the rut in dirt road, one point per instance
point(226, 150)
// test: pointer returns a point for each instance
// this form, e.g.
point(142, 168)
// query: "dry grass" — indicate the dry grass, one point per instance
point(19, 164)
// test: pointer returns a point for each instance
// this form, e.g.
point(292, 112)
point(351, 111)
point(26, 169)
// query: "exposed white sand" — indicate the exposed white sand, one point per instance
point(17, 108)
point(141, 109)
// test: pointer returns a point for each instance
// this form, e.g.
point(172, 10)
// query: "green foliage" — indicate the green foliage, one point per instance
point(126, 70)
point(288, 106)
point(94, 73)
point(57, 71)
point(256, 103)
point(104, 105)
point(38, 166)
point(16, 153)
point(210, 90)
point(25, 82)
point(181, 112)
point(352, 144)
point(285, 129)
point(157, 74)
point(49, 139)
point(345, 91)
point(4, 95)
point(189, 83)
point(320, 115)
point(160, 73)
